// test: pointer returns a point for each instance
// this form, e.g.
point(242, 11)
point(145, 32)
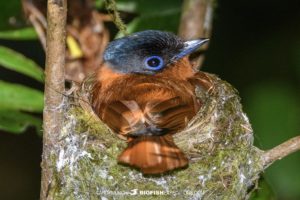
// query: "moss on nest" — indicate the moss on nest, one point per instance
point(219, 142)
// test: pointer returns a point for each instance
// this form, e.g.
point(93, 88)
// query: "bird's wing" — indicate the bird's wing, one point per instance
point(156, 106)
point(202, 81)
point(149, 106)
point(137, 107)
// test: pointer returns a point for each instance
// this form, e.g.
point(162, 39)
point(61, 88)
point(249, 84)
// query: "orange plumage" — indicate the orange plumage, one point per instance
point(145, 92)
point(134, 105)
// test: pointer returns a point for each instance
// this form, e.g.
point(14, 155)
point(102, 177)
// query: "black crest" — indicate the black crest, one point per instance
point(128, 54)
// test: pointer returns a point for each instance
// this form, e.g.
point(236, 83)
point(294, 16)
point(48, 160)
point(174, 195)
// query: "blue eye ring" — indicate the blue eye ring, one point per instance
point(154, 62)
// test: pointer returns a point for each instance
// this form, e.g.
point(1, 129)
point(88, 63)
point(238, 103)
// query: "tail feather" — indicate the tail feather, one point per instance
point(153, 154)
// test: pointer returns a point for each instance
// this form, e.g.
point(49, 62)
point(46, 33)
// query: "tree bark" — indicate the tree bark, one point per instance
point(82, 163)
point(281, 151)
point(196, 22)
point(54, 88)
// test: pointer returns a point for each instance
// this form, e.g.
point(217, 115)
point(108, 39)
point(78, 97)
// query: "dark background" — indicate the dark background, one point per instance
point(255, 46)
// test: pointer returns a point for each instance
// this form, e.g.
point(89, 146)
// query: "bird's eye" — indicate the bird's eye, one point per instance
point(154, 62)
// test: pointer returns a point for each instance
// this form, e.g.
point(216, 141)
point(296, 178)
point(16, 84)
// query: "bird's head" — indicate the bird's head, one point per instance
point(148, 52)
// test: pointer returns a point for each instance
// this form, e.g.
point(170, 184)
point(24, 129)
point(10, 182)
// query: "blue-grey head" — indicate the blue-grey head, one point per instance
point(148, 52)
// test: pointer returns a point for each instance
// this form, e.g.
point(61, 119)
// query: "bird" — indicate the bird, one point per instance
point(144, 91)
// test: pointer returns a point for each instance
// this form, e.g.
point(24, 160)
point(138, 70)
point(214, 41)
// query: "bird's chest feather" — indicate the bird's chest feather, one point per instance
point(147, 90)
point(141, 104)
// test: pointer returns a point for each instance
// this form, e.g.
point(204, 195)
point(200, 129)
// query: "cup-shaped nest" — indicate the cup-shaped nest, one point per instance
point(223, 163)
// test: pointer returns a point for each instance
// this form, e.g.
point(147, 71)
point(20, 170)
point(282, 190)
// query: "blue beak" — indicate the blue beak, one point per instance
point(189, 47)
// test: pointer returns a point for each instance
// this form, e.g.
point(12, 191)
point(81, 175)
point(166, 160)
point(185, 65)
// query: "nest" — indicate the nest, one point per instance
point(224, 164)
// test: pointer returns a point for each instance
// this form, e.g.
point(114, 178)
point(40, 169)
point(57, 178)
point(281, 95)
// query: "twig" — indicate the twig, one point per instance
point(38, 28)
point(54, 87)
point(281, 151)
point(37, 19)
point(111, 8)
point(196, 22)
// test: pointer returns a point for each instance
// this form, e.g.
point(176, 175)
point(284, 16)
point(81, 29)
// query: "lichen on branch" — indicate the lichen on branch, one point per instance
point(54, 88)
point(111, 7)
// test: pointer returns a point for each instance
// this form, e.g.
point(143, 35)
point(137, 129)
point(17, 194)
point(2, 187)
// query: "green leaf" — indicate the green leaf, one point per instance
point(263, 192)
point(296, 57)
point(10, 14)
point(19, 97)
point(99, 3)
point(146, 7)
point(166, 21)
point(19, 34)
point(274, 111)
point(15, 61)
point(17, 122)
point(164, 17)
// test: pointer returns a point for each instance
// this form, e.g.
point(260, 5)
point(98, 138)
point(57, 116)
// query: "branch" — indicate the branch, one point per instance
point(54, 87)
point(37, 19)
point(196, 22)
point(281, 151)
point(111, 8)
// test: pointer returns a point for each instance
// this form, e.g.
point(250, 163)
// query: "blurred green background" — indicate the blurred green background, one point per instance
point(255, 46)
